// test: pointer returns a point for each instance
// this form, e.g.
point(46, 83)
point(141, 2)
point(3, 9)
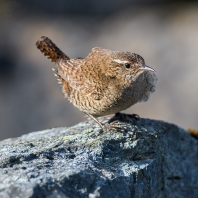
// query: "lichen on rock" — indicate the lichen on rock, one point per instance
point(144, 158)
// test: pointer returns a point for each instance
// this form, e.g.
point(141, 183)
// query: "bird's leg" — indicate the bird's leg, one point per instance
point(103, 126)
point(99, 123)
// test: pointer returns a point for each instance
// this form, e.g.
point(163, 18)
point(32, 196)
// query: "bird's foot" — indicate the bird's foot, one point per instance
point(133, 116)
point(124, 117)
point(114, 122)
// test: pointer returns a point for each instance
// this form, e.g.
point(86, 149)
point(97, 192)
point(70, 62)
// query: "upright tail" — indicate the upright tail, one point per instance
point(49, 49)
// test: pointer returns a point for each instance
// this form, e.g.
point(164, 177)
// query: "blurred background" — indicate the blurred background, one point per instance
point(165, 33)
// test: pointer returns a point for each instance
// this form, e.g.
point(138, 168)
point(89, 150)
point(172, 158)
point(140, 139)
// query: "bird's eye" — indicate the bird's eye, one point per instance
point(127, 65)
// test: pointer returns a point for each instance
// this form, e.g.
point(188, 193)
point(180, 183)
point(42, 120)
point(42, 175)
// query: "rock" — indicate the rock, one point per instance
point(140, 158)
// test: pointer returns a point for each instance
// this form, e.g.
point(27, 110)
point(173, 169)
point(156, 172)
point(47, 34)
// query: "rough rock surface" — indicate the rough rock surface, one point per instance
point(144, 158)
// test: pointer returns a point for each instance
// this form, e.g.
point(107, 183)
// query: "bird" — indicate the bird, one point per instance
point(104, 82)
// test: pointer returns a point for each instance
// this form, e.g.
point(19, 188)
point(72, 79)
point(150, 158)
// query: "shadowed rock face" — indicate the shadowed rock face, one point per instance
point(144, 158)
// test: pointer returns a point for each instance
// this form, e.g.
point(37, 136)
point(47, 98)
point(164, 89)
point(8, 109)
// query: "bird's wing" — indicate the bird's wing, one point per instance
point(70, 71)
point(80, 77)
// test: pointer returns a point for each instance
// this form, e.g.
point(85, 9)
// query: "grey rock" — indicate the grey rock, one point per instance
point(144, 158)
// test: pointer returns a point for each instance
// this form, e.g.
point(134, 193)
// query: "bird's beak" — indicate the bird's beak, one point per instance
point(145, 67)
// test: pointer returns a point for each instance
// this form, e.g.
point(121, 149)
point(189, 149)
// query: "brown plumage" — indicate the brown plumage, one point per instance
point(49, 49)
point(103, 83)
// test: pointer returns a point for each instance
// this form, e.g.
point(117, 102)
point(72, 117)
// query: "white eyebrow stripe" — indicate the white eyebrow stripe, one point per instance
point(119, 61)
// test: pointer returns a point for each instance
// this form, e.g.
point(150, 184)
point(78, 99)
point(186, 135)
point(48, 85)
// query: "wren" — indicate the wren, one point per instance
point(105, 82)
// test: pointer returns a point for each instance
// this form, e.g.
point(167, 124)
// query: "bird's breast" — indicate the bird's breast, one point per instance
point(116, 97)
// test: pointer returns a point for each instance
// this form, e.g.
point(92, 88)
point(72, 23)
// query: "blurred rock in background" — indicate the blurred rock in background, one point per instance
point(164, 33)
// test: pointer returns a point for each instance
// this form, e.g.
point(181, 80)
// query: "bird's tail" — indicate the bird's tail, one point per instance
point(49, 49)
